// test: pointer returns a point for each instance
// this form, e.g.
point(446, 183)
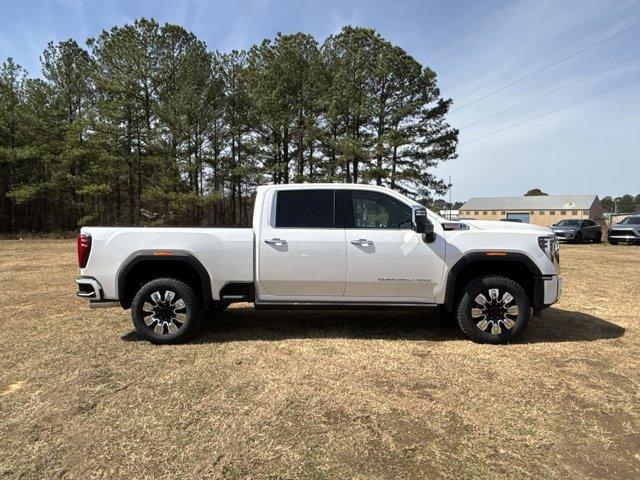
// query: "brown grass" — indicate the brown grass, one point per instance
point(318, 395)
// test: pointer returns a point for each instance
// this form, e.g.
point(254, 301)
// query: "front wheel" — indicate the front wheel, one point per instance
point(493, 309)
point(598, 238)
point(613, 242)
point(578, 238)
point(166, 310)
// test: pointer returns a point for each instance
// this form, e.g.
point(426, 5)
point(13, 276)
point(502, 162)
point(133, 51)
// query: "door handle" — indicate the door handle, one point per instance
point(363, 242)
point(276, 241)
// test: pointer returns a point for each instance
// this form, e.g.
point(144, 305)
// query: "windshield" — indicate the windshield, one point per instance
point(568, 223)
point(631, 221)
point(413, 203)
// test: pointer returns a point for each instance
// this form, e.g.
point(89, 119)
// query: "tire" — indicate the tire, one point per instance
point(471, 319)
point(613, 242)
point(166, 310)
point(578, 238)
point(598, 238)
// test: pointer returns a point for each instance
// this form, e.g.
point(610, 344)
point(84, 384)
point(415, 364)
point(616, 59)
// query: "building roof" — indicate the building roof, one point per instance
point(543, 202)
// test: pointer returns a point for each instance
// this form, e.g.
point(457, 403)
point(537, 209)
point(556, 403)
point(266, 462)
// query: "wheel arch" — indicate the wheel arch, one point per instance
point(514, 265)
point(145, 265)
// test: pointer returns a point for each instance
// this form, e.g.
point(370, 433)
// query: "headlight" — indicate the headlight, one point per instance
point(549, 246)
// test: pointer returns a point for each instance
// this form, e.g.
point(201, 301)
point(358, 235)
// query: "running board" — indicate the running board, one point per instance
point(340, 306)
point(235, 298)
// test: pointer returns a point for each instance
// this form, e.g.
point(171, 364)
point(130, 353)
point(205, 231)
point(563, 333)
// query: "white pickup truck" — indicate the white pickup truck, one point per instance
point(324, 246)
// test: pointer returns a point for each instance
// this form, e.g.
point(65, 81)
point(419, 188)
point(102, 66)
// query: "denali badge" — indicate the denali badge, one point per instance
point(392, 279)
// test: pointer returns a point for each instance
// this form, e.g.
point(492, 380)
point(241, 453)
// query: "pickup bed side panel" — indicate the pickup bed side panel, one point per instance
point(226, 253)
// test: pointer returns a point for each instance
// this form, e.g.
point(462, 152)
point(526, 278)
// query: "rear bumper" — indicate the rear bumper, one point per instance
point(89, 288)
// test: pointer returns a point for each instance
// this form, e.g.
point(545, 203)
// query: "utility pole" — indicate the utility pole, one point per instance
point(450, 204)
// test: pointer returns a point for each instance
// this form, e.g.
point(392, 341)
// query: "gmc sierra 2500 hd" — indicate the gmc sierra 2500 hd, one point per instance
point(320, 246)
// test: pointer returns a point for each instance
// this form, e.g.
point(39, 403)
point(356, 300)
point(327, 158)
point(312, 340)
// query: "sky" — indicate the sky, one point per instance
point(546, 92)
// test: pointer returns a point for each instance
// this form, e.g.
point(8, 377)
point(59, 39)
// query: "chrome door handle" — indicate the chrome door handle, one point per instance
point(276, 241)
point(363, 242)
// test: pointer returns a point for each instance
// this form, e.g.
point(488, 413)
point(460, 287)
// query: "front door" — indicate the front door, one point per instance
point(386, 259)
point(302, 254)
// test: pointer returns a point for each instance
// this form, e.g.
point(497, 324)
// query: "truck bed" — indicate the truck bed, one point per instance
point(226, 253)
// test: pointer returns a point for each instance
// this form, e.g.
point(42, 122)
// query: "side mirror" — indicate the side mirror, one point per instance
point(422, 225)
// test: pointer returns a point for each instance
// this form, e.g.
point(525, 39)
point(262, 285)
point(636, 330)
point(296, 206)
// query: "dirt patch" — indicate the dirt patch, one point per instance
point(318, 394)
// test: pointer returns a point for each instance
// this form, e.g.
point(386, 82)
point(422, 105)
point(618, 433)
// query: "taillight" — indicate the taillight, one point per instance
point(84, 248)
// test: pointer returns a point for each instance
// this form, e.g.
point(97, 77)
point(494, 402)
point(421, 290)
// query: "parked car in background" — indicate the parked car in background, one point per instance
point(515, 220)
point(628, 230)
point(577, 230)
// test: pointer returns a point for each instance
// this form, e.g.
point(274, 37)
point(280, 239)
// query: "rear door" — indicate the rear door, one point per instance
point(302, 252)
point(386, 259)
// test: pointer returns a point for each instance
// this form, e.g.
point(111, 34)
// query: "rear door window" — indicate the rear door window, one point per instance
point(305, 209)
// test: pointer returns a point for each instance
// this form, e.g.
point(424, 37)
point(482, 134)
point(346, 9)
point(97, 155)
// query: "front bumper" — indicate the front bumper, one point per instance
point(631, 238)
point(564, 234)
point(552, 289)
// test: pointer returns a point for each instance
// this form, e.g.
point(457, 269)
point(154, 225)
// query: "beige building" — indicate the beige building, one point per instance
point(542, 210)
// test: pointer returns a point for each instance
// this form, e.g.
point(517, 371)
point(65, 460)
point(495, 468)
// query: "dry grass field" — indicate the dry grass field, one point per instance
point(318, 395)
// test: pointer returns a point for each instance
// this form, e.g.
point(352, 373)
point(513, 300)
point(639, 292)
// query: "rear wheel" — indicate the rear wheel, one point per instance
point(166, 310)
point(493, 309)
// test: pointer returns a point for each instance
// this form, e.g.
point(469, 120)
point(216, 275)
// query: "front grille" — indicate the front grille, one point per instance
point(622, 233)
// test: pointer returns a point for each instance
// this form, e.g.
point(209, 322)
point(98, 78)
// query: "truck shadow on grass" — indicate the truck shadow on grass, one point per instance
point(244, 324)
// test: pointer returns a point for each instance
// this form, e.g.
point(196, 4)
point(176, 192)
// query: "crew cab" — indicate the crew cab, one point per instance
point(324, 246)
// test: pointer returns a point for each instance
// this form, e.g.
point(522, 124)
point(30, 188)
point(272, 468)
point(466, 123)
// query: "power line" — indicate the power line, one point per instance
point(604, 27)
point(509, 127)
point(570, 84)
point(482, 32)
point(529, 75)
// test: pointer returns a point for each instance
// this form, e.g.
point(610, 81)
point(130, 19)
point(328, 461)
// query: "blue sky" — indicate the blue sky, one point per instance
point(591, 144)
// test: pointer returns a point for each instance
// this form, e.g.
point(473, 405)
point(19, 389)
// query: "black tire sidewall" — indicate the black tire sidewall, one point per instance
point(481, 285)
point(193, 310)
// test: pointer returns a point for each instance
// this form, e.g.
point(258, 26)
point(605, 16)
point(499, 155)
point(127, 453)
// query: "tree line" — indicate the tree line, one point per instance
point(626, 203)
point(144, 125)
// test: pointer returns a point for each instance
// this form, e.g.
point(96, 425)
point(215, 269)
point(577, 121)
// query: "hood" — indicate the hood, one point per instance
point(508, 226)
point(625, 226)
point(563, 229)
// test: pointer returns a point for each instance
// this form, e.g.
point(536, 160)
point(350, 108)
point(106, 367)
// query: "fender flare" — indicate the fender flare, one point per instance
point(151, 255)
point(473, 257)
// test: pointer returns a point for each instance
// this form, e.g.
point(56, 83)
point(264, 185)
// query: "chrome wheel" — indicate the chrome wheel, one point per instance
point(164, 314)
point(494, 311)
